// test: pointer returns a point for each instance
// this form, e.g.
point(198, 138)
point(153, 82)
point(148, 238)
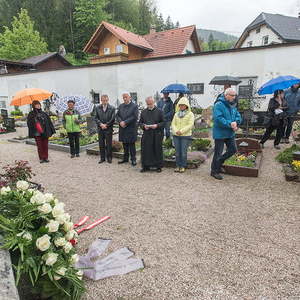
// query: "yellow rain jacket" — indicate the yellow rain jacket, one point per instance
point(185, 124)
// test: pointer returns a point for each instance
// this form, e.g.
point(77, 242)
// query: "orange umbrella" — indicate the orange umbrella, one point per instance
point(26, 96)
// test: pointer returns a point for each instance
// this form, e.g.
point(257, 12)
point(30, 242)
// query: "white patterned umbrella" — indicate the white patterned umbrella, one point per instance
point(82, 104)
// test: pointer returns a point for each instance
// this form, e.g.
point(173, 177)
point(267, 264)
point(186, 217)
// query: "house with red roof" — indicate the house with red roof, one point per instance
point(111, 43)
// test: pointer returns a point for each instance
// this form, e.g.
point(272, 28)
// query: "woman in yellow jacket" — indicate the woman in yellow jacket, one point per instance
point(182, 125)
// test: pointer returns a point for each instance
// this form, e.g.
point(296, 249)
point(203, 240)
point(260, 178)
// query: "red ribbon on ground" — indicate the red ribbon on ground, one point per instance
point(99, 221)
point(81, 221)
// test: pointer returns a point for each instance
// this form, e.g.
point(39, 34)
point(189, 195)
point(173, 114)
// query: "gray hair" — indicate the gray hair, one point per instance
point(126, 93)
point(148, 98)
point(229, 91)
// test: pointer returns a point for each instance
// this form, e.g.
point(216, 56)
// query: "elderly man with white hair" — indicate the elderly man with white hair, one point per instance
point(226, 120)
point(152, 124)
point(127, 117)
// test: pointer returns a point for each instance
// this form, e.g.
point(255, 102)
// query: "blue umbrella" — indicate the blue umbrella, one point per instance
point(278, 83)
point(82, 104)
point(176, 88)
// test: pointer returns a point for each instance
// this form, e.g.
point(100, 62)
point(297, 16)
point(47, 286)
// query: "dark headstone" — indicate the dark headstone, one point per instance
point(9, 123)
point(296, 155)
point(91, 125)
point(4, 113)
point(248, 145)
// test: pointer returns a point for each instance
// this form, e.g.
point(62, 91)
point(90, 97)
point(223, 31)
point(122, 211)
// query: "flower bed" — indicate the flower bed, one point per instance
point(39, 234)
point(290, 158)
point(198, 153)
point(247, 161)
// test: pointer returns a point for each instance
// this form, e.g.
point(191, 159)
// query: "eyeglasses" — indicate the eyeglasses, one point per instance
point(231, 95)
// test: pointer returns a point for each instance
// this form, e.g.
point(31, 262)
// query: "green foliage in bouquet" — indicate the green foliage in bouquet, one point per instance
point(201, 144)
point(38, 233)
point(286, 156)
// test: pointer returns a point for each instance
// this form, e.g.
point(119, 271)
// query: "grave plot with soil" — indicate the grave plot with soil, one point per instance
point(290, 158)
point(198, 153)
point(117, 149)
point(247, 161)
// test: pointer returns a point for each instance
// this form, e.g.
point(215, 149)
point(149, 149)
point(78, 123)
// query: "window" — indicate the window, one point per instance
point(196, 88)
point(106, 51)
point(3, 69)
point(119, 48)
point(249, 44)
point(265, 40)
point(258, 30)
point(133, 97)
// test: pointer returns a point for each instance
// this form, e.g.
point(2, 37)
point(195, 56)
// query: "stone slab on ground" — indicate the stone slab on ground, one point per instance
point(8, 290)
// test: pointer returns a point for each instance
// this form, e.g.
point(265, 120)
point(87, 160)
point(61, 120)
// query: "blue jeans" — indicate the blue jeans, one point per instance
point(219, 159)
point(181, 144)
point(167, 129)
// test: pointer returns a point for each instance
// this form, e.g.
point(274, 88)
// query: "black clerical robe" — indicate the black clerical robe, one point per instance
point(151, 144)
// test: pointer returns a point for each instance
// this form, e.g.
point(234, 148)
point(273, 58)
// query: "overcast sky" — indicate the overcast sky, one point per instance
point(230, 16)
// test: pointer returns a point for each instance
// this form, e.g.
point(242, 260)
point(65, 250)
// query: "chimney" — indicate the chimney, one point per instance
point(152, 29)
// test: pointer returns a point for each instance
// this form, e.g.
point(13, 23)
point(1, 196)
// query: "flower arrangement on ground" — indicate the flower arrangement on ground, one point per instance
point(39, 234)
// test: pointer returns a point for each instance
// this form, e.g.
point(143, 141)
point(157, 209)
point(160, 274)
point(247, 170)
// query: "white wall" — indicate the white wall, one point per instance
point(148, 77)
point(257, 38)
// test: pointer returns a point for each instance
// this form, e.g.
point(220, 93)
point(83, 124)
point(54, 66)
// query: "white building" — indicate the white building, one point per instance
point(148, 77)
point(269, 29)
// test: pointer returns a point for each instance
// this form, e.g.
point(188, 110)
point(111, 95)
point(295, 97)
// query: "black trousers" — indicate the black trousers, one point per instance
point(74, 142)
point(219, 157)
point(129, 147)
point(287, 129)
point(279, 133)
point(105, 144)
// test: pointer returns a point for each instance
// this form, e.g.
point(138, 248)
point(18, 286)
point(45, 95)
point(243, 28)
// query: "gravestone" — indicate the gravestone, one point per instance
point(201, 124)
point(4, 113)
point(9, 123)
point(248, 145)
point(91, 125)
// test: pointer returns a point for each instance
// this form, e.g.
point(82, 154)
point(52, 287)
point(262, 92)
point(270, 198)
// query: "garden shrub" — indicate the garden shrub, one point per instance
point(201, 144)
point(286, 156)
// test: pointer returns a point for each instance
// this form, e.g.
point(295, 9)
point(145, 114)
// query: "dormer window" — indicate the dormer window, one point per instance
point(250, 43)
point(106, 51)
point(119, 48)
point(265, 40)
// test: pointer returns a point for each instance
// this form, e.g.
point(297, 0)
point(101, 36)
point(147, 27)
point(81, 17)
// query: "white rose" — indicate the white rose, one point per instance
point(79, 274)
point(68, 247)
point(5, 190)
point(43, 243)
point(51, 259)
point(58, 209)
point(48, 197)
point(22, 185)
point(56, 277)
point(52, 226)
point(31, 190)
point(74, 259)
point(70, 235)
point(61, 219)
point(38, 198)
point(56, 201)
point(67, 217)
point(45, 208)
point(61, 271)
point(27, 236)
point(68, 226)
point(60, 242)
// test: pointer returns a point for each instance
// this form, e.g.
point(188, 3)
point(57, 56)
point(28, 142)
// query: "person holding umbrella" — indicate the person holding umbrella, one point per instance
point(277, 118)
point(71, 122)
point(40, 128)
point(165, 104)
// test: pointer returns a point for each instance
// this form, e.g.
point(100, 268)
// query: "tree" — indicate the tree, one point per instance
point(169, 24)
point(177, 24)
point(210, 41)
point(22, 40)
point(160, 23)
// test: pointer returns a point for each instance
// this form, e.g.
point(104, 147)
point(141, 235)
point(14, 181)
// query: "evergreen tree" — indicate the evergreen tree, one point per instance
point(177, 24)
point(169, 24)
point(21, 41)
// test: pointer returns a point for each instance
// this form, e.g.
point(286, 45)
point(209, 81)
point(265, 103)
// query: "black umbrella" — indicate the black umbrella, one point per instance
point(224, 80)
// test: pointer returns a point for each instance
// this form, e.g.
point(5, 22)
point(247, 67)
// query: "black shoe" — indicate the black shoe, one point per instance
point(133, 163)
point(77, 155)
point(287, 140)
point(143, 170)
point(72, 156)
point(109, 160)
point(277, 147)
point(158, 170)
point(216, 176)
point(46, 160)
point(42, 161)
point(122, 161)
point(101, 161)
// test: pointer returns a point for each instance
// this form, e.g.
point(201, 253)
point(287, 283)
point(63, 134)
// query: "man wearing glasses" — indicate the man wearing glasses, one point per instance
point(226, 120)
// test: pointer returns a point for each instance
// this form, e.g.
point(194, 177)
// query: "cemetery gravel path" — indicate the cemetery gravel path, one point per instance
point(199, 238)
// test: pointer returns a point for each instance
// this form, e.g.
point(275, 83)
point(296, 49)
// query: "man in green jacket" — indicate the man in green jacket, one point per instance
point(71, 122)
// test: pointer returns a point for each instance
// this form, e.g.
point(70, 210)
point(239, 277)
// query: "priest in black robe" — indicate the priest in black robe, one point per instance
point(152, 124)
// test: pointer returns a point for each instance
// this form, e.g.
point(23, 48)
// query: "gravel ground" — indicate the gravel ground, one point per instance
point(199, 238)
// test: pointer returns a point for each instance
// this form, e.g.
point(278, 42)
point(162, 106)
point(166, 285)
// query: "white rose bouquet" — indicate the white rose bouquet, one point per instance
point(38, 232)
